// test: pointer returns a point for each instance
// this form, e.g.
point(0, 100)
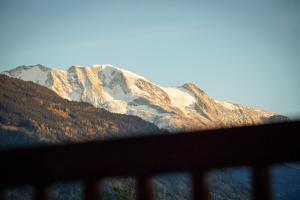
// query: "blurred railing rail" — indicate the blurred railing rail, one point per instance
point(142, 157)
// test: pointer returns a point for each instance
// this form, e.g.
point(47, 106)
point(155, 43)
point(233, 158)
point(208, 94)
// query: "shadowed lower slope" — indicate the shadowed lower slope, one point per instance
point(32, 114)
point(37, 114)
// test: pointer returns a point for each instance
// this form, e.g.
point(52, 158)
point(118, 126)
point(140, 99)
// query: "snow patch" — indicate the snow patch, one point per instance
point(35, 74)
point(179, 97)
point(227, 105)
point(126, 73)
point(117, 106)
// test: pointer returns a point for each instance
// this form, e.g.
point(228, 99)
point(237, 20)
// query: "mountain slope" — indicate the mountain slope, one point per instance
point(36, 114)
point(31, 114)
point(120, 91)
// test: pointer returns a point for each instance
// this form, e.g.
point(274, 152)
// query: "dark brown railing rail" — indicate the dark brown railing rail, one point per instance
point(198, 152)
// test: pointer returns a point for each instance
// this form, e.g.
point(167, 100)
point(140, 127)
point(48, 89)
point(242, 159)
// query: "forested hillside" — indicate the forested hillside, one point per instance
point(32, 114)
point(36, 114)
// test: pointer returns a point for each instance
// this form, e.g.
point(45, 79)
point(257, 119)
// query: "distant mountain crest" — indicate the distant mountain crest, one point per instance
point(120, 91)
point(31, 114)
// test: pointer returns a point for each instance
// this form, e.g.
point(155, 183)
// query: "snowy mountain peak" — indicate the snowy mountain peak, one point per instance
point(28, 67)
point(36, 73)
point(121, 91)
point(109, 70)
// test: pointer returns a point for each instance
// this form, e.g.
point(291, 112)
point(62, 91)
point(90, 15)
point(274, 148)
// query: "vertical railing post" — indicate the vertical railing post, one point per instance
point(41, 192)
point(200, 186)
point(261, 183)
point(144, 188)
point(2, 193)
point(92, 190)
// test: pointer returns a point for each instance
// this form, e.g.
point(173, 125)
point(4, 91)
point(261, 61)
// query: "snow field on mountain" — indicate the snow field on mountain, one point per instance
point(121, 91)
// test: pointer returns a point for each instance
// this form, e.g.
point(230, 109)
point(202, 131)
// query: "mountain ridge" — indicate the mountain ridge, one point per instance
point(33, 114)
point(26, 110)
point(185, 107)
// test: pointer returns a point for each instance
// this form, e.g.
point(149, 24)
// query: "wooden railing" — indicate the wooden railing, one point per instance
point(258, 147)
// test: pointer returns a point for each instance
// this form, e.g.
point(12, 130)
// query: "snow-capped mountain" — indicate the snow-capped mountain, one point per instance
point(120, 91)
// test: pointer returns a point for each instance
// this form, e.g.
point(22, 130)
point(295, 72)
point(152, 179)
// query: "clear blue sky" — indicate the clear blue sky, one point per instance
point(243, 51)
